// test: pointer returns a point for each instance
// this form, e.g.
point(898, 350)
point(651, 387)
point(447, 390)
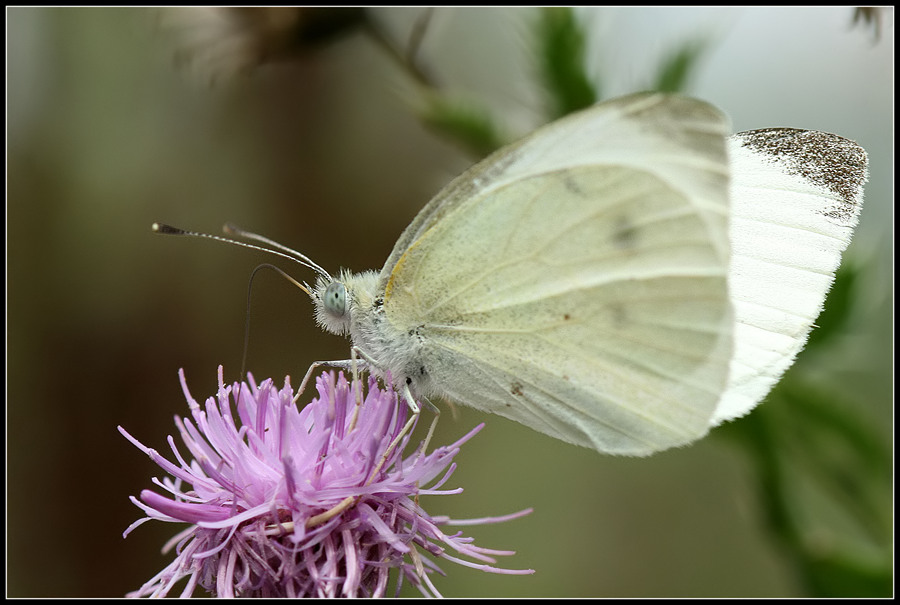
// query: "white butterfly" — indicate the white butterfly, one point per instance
point(623, 278)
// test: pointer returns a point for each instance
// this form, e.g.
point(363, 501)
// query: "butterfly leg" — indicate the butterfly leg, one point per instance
point(356, 382)
point(437, 416)
point(342, 364)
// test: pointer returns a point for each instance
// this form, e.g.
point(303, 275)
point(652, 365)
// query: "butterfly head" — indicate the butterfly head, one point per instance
point(341, 301)
point(332, 309)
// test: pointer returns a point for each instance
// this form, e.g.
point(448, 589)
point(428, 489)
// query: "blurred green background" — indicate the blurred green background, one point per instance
point(325, 154)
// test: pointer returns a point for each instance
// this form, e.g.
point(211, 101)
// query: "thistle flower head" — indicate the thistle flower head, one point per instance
point(318, 502)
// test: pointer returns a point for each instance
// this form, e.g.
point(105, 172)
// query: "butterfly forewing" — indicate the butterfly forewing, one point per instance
point(796, 197)
point(585, 299)
point(663, 133)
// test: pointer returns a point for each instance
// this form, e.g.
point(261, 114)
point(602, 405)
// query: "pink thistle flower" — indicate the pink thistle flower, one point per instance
point(316, 502)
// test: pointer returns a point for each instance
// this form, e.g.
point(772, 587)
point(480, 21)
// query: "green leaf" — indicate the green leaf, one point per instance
point(466, 124)
point(838, 307)
point(842, 576)
point(824, 484)
point(678, 68)
point(561, 43)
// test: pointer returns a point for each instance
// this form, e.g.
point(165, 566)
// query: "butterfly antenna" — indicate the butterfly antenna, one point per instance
point(231, 229)
point(303, 286)
point(282, 251)
point(295, 256)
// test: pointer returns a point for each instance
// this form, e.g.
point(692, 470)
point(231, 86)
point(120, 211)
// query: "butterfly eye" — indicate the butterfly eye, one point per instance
point(335, 299)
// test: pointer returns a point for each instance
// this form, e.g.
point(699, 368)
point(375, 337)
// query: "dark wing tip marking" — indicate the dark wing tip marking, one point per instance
point(826, 160)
